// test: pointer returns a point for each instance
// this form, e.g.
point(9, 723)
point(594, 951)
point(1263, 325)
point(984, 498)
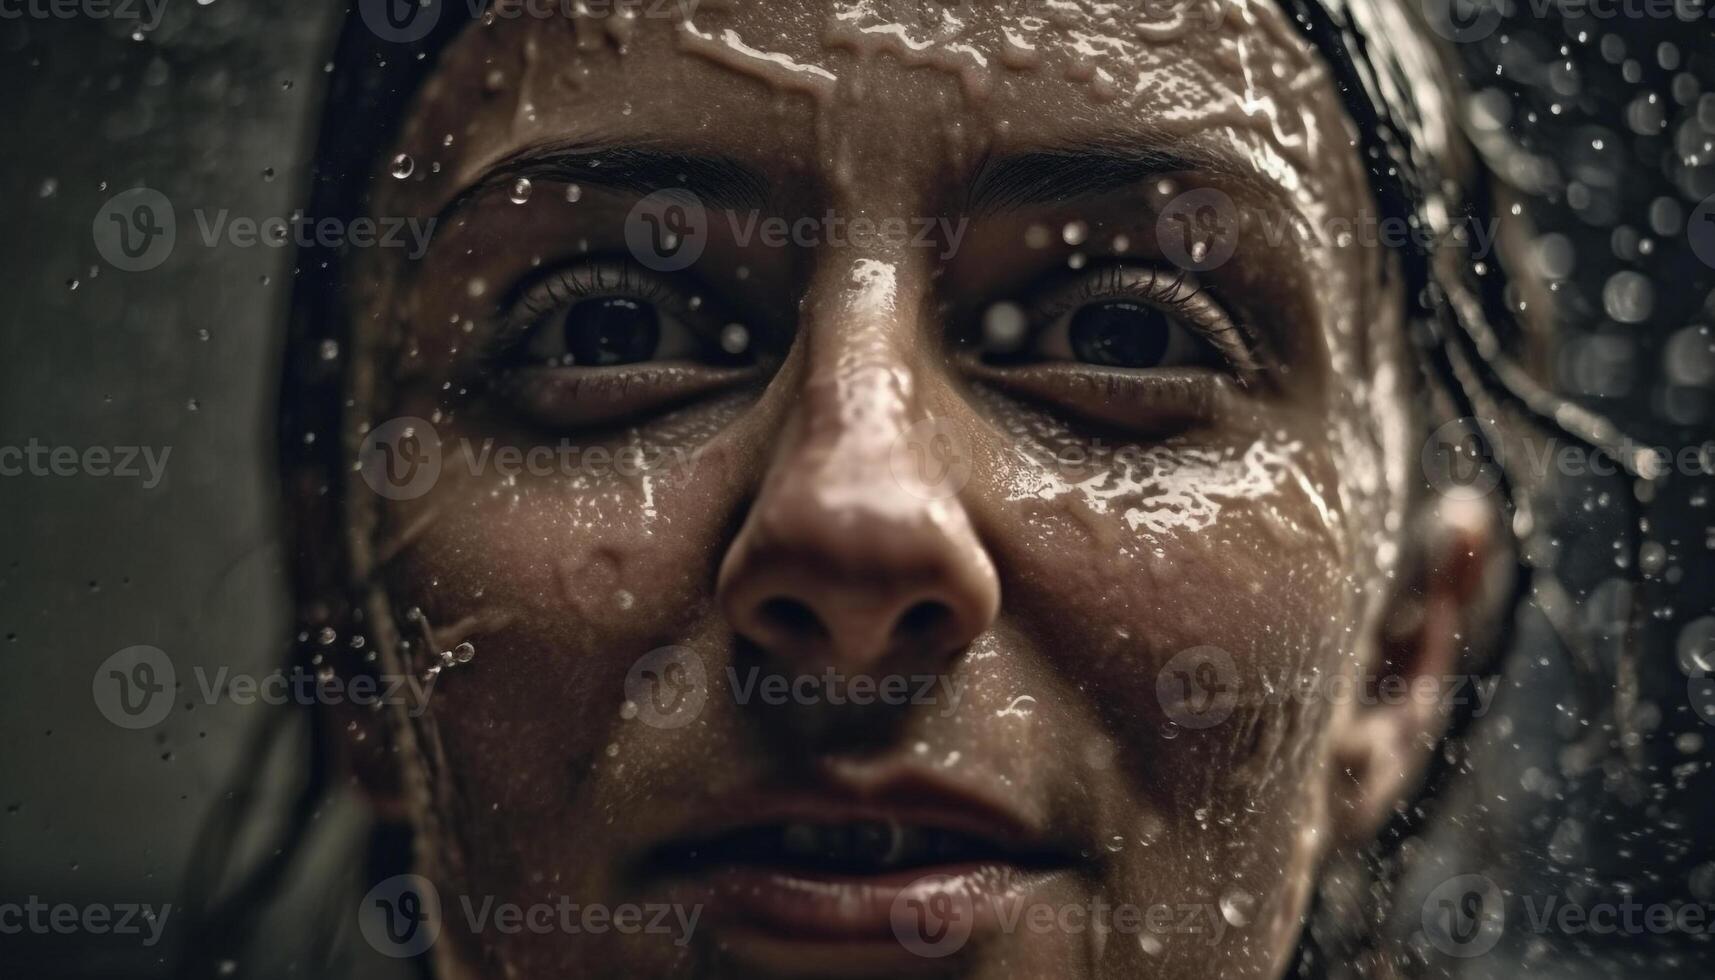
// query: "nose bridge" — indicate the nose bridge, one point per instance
point(839, 562)
point(861, 388)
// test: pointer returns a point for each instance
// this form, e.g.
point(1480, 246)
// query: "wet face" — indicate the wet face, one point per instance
point(881, 547)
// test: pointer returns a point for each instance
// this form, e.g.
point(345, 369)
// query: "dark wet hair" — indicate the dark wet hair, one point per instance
point(1460, 334)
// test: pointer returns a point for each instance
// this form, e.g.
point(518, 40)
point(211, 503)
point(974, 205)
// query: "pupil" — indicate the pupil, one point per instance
point(611, 330)
point(1119, 334)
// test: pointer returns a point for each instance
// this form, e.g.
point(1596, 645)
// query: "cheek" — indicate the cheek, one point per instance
point(562, 563)
point(1190, 589)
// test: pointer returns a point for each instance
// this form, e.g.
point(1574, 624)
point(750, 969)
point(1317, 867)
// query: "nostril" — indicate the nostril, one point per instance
point(922, 620)
point(788, 616)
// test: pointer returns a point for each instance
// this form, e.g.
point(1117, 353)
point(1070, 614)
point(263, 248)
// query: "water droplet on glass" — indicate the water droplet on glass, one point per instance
point(735, 338)
point(403, 166)
point(1004, 325)
point(520, 190)
point(1237, 907)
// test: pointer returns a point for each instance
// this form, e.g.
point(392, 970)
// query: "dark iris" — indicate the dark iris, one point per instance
point(1120, 334)
point(611, 330)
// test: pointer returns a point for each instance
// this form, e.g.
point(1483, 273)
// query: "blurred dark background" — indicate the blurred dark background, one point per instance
point(1608, 122)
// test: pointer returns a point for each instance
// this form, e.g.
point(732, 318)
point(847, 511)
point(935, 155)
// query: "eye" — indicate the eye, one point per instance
point(600, 342)
point(603, 316)
point(1123, 317)
point(1120, 333)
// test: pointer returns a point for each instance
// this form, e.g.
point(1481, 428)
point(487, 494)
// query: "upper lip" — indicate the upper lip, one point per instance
point(907, 796)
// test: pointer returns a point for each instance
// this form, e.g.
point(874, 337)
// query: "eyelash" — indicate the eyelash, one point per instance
point(562, 287)
point(1176, 292)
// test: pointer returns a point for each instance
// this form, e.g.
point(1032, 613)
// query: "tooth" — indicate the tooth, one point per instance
point(800, 840)
point(834, 842)
point(872, 841)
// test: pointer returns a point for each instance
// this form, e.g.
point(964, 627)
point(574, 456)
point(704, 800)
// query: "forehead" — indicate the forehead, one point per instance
point(886, 91)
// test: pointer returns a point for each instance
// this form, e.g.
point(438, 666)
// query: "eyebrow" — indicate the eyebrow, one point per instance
point(633, 167)
point(1084, 169)
point(1063, 173)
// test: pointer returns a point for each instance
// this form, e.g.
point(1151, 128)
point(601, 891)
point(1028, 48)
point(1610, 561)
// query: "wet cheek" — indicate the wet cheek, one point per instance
point(1143, 568)
point(561, 567)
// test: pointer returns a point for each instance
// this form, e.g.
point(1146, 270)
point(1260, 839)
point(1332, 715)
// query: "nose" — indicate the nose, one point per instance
point(848, 558)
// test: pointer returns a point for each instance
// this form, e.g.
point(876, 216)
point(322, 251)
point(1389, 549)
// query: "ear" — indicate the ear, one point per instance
point(1445, 605)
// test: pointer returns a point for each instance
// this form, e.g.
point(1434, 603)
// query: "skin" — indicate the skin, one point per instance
point(1261, 506)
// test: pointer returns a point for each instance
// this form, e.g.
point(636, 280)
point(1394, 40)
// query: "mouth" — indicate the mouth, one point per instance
point(858, 848)
point(840, 877)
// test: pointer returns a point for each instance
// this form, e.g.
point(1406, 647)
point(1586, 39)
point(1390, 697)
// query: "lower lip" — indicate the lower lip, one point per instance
point(857, 923)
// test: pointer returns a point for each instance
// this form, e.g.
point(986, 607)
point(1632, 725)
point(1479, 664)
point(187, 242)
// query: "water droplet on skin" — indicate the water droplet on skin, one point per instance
point(520, 190)
point(464, 653)
point(403, 166)
point(1170, 731)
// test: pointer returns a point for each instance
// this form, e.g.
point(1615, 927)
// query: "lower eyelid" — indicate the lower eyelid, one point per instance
point(1163, 399)
point(568, 398)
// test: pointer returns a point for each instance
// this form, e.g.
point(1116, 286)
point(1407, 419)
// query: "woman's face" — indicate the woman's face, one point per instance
point(882, 548)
